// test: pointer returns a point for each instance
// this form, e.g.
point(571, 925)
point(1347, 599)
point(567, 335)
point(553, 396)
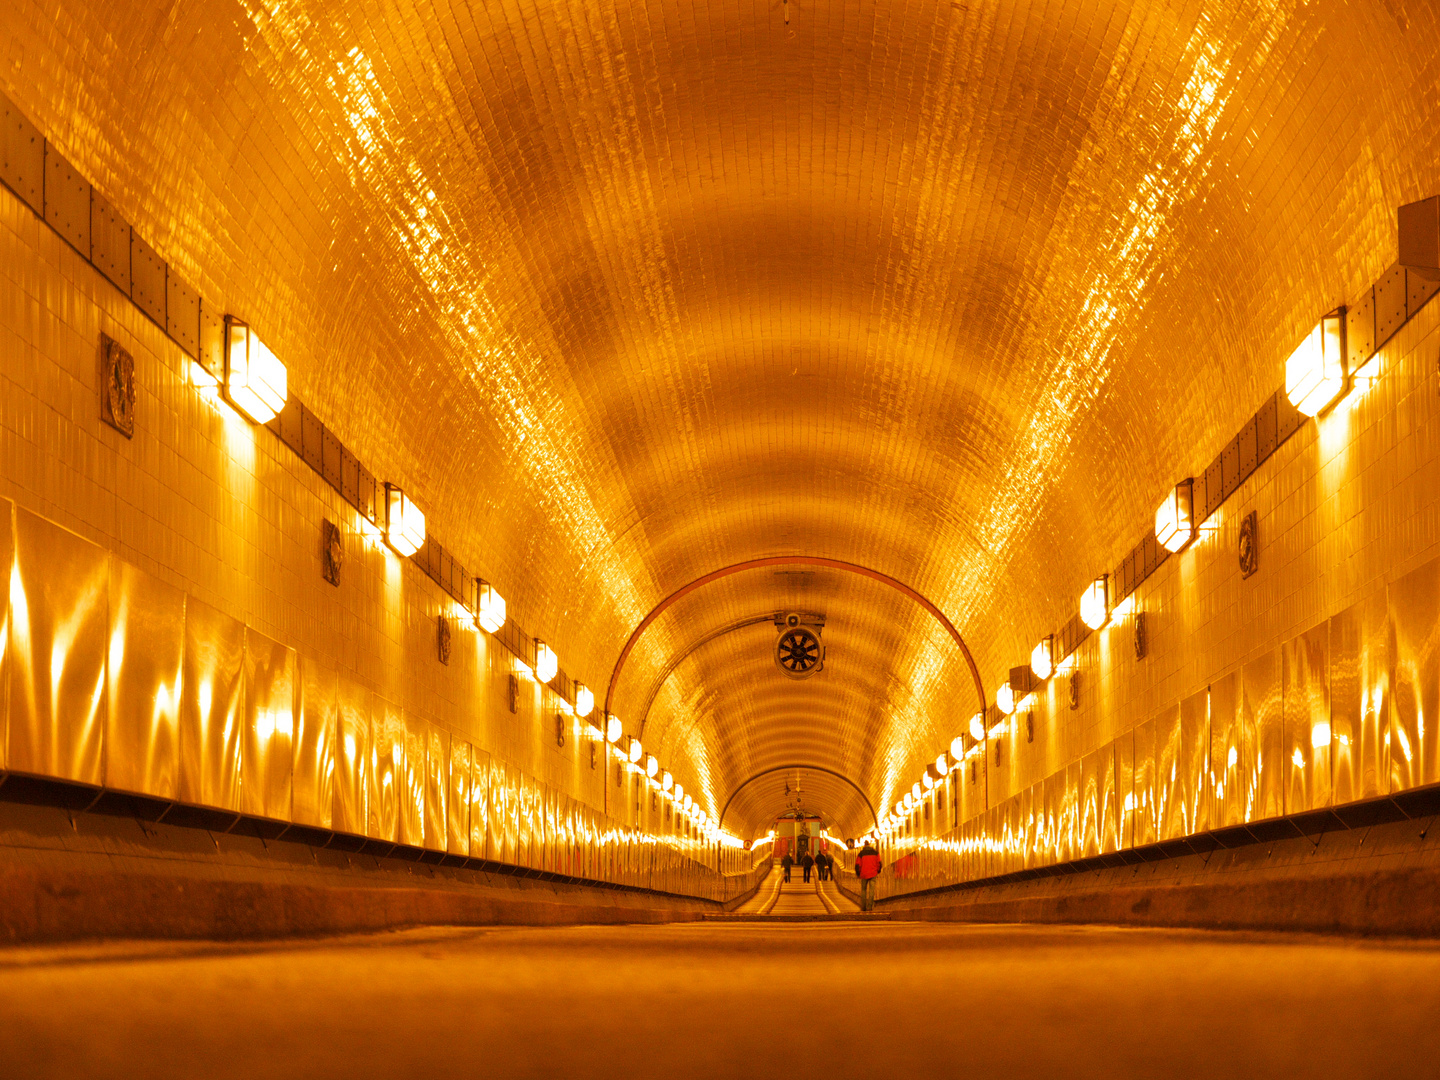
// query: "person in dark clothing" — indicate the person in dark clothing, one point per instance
point(822, 862)
point(829, 870)
point(785, 864)
point(867, 869)
point(807, 863)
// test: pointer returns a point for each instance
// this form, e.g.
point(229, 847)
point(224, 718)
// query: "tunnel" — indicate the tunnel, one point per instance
point(719, 538)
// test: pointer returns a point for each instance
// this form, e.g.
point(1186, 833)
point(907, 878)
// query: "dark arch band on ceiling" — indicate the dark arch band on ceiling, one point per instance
point(720, 822)
point(794, 560)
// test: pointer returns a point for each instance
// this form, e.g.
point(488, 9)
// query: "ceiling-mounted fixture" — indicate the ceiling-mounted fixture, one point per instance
point(799, 652)
point(1042, 658)
point(256, 382)
point(1095, 603)
point(1315, 372)
point(1175, 518)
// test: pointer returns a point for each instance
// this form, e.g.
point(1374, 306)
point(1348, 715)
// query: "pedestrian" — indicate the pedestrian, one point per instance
point(867, 869)
point(828, 872)
point(820, 866)
point(785, 864)
point(807, 863)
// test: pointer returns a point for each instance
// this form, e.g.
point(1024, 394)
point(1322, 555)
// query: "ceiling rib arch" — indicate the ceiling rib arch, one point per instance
point(720, 822)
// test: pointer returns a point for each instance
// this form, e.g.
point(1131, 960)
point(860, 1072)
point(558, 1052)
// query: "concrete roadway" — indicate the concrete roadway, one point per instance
point(713, 1000)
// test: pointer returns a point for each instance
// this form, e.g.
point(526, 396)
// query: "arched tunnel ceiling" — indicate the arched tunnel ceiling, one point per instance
point(623, 293)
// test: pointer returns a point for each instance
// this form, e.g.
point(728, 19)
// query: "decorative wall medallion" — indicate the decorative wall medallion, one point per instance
point(117, 387)
point(442, 638)
point(1249, 545)
point(559, 729)
point(1142, 637)
point(1075, 691)
point(332, 552)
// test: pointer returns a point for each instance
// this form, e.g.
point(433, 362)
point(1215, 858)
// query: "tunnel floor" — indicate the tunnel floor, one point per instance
point(714, 1000)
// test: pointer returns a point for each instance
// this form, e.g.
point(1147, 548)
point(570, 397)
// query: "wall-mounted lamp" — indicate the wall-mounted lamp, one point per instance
point(977, 727)
point(652, 767)
point(256, 382)
point(584, 700)
point(1315, 372)
point(490, 610)
point(1005, 698)
point(927, 781)
point(1095, 603)
point(545, 663)
point(636, 750)
point(1042, 658)
point(679, 795)
point(667, 782)
point(915, 791)
point(942, 765)
point(1175, 518)
point(404, 523)
point(957, 747)
point(899, 808)
point(688, 802)
point(613, 729)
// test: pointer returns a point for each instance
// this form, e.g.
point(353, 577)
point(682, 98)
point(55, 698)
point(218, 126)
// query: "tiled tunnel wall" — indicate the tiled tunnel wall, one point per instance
point(170, 635)
point(1299, 699)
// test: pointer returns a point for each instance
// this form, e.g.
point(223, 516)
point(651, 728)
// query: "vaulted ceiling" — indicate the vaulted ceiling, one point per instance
point(627, 292)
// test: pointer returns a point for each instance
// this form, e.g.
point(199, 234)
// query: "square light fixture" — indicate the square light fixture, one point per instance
point(404, 523)
point(1175, 518)
point(256, 382)
point(1005, 698)
point(584, 700)
point(490, 610)
point(545, 663)
point(1315, 372)
point(1042, 658)
point(1095, 603)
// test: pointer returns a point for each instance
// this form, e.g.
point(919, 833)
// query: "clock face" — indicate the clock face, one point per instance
point(119, 395)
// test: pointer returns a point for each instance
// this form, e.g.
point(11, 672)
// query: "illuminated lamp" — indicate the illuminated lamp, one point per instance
point(667, 782)
point(652, 767)
point(909, 801)
point(679, 793)
point(404, 523)
point(915, 790)
point(612, 729)
point(689, 802)
point(255, 380)
point(957, 747)
point(942, 765)
point(1005, 698)
point(1175, 519)
point(925, 779)
point(1095, 603)
point(636, 750)
point(977, 727)
point(899, 809)
point(1315, 372)
point(545, 663)
point(1042, 658)
point(584, 700)
point(490, 614)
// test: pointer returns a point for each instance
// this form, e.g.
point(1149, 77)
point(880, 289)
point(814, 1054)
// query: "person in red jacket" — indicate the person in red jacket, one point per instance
point(867, 869)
